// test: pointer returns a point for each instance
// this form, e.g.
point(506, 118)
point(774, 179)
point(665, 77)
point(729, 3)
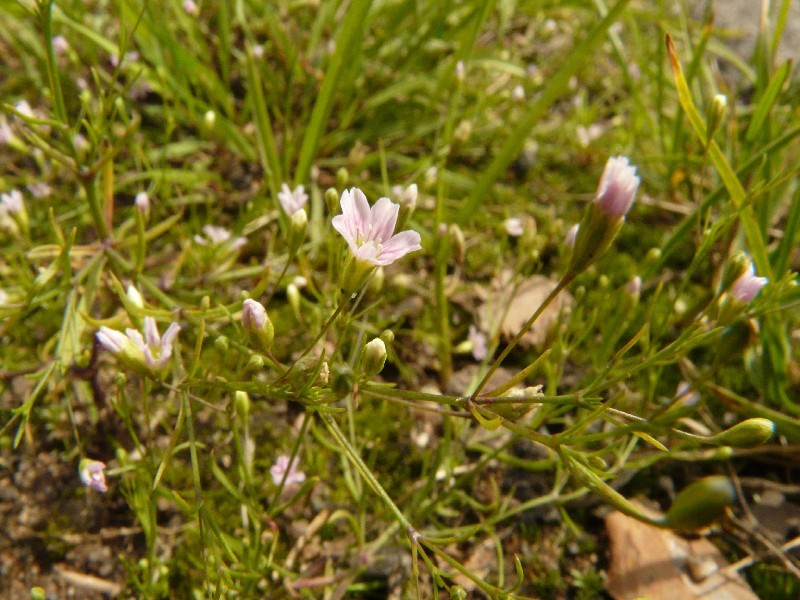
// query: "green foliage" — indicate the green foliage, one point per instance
point(150, 170)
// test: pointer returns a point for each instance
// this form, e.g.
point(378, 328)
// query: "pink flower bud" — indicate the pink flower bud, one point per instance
point(617, 187)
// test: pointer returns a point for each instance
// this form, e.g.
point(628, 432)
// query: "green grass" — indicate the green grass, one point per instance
point(414, 482)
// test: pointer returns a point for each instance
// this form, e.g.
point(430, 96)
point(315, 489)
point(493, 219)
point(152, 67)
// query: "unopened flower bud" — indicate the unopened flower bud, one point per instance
point(255, 363)
point(293, 296)
point(142, 204)
point(459, 245)
point(342, 178)
point(605, 216)
point(134, 296)
point(460, 71)
point(209, 119)
point(257, 324)
point(518, 94)
point(374, 357)
point(332, 199)
point(737, 266)
point(222, 343)
point(716, 114)
point(701, 503)
point(297, 230)
point(387, 336)
point(241, 404)
point(375, 284)
point(747, 434)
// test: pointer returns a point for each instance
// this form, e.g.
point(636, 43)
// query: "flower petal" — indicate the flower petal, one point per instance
point(382, 220)
point(400, 245)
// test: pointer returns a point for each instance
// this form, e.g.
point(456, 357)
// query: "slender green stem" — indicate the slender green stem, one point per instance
point(352, 454)
point(564, 282)
point(45, 14)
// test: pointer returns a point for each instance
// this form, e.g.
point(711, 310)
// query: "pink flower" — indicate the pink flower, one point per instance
point(369, 231)
point(617, 187)
point(282, 467)
point(478, 339)
point(746, 287)
point(150, 350)
point(292, 200)
point(190, 8)
point(93, 474)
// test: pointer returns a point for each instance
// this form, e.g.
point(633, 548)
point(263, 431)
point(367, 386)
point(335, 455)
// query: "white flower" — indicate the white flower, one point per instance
point(369, 231)
point(92, 473)
point(217, 236)
point(292, 200)
point(11, 203)
point(513, 226)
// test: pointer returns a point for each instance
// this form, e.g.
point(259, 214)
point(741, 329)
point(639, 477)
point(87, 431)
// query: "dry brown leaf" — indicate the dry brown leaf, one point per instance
point(515, 311)
point(648, 562)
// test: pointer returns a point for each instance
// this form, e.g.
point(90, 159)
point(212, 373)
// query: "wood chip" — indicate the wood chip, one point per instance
point(648, 562)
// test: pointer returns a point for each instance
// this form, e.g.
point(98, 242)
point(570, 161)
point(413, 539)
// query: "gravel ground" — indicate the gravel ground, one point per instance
point(741, 17)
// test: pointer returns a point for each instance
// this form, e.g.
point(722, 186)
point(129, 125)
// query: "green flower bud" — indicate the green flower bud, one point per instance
point(134, 296)
point(222, 344)
point(293, 296)
point(255, 363)
point(735, 268)
point(374, 357)
point(38, 593)
point(747, 434)
point(241, 404)
point(297, 230)
point(342, 177)
point(700, 503)
point(332, 201)
point(387, 336)
point(715, 115)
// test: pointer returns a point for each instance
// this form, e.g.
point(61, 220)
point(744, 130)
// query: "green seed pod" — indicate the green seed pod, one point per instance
point(700, 503)
point(747, 434)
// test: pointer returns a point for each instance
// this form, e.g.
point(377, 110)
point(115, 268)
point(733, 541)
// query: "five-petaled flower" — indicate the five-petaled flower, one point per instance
point(93, 474)
point(282, 468)
point(292, 200)
point(369, 231)
point(151, 350)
